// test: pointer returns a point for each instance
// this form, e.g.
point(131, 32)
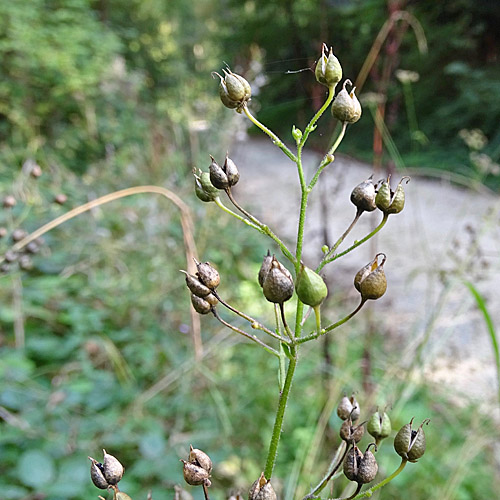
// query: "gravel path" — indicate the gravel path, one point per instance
point(430, 237)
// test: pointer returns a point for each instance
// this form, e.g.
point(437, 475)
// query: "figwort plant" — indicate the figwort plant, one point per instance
point(279, 281)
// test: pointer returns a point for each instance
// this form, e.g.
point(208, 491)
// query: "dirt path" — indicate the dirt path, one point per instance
point(430, 238)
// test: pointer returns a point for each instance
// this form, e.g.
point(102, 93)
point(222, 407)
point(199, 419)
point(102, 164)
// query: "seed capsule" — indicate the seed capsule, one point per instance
point(262, 490)
point(200, 305)
point(200, 458)
point(360, 467)
point(203, 187)
point(217, 175)
point(363, 196)
point(328, 70)
point(350, 433)
point(112, 468)
point(9, 201)
point(278, 283)
point(310, 287)
point(379, 425)
point(265, 268)
point(410, 444)
point(196, 286)
point(391, 202)
point(348, 408)
point(231, 170)
point(97, 474)
point(234, 90)
point(208, 275)
point(370, 280)
point(120, 495)
point(198, 469)
point(346, 106)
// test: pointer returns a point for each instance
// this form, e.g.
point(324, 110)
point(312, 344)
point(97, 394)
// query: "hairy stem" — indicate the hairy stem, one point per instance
point(276, 140)
point(219, 203)
point(280, 414)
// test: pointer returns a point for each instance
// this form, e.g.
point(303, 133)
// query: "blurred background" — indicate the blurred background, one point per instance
point(98, 348)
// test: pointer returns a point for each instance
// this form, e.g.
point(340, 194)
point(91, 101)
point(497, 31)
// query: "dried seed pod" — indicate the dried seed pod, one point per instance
point(328, 70)
point(195, 285)
point(346, 106)
point(348, 408)
point(36, 171)
point(200, 458)
point(60, 198)
point(200, 305)
point(231, 170)
point(208, 275)
point(194, 474)
point(379, 425)
point(391, 202)
point(368, 467)
point(310, 287)
point(370, 280)
point(97, 474)
point(112, 468)
point(120, 495)
point(363, 196)
point(278, 283)
point(218, 177)
point(10, 256)
point(351, 463)
point(262, 489)
point(410, 444)
point(25, 262)
point(234, 90)
point(18, 234)
point(350, 433)
point(32, 247)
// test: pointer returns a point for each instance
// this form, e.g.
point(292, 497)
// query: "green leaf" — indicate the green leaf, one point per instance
point(35, 468)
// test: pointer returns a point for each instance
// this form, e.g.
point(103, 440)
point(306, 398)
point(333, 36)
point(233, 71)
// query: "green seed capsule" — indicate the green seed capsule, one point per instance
point(310, 287)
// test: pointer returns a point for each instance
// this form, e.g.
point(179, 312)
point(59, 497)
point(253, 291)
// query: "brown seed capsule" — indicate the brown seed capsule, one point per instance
point(217, 175)
point(370, 280)
point(196, 286)
point(363, 196)
point(32, 247)
point(208, 275)
point(121, 495)
point(410, 444)
point(351, 463)
point(25, 263)
point(112, 468)
point(348, 408)
point(262, 489)
point(234, 90)
point(278, 284)
point(97, 474)
point(368, 467)
point(10, 256)
point(231, 170)
point(9, 201)
point(200, 305)
point(351, 433)
point(194, 474)
point(200, 458)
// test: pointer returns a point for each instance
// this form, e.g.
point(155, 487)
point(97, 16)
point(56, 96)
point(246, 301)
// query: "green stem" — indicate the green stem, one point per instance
point(219, 203)
point(262, 227)
point(278, 423)
point(328, 158)
point(311, 125)
point(276, 140)
point(315, 335)
point(369, 492)
point(245, 334)
point(355, 245)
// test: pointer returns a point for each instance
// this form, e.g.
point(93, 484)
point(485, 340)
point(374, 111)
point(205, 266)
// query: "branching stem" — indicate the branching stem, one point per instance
point(369, 492)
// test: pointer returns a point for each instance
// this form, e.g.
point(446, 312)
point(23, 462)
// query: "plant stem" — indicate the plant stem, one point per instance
point(334, 465)
point(263, 228)
point(311, 125)
point(340, 240)
point(315, 335)
point(369, 492)
point(355, 245)
point(205, 491)
point(245, 334)
point(219, 203)
point(253, 322)
point(278, 423)
point(276, 140)
point(328, 158)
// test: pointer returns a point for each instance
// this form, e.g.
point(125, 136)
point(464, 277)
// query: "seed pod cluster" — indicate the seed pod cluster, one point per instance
point(370, 280)
point(275, 280)
point(234, 90)
point(360, 467)
point(202, 285)
point(391, 202)
point(198, 468)
point(20, 257)
point(262, 489)
point(223, 177)
point(106, 474)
